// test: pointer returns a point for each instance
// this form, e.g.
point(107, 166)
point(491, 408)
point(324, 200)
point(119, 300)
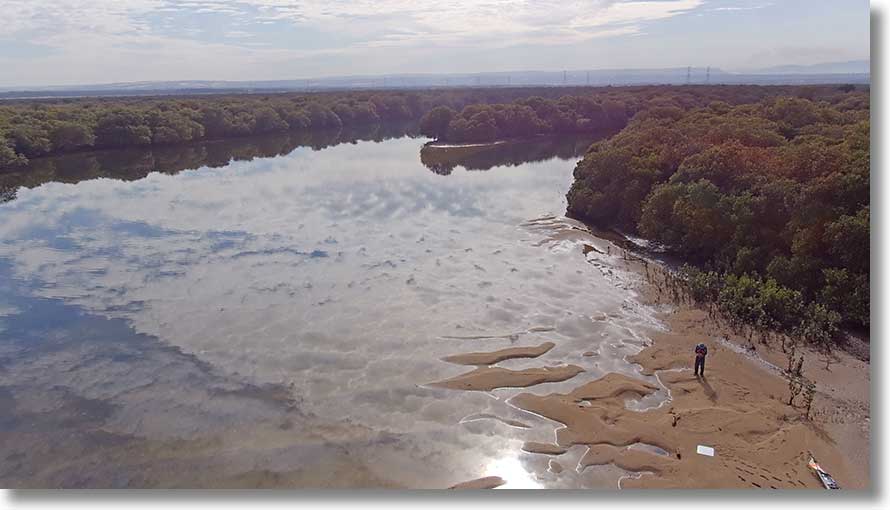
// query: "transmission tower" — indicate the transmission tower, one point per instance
point(688, 75)
point(564, 77)
point(588, 78)
point(708, 76)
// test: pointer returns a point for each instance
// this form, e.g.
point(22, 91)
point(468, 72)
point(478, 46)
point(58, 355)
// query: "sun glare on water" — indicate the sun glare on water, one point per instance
point(511, 470)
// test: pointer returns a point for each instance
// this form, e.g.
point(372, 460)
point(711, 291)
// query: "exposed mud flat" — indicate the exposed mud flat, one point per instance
point(759, 441)
point(489, 378)
point(490, 358)
point(544, 448)
point(488, 482)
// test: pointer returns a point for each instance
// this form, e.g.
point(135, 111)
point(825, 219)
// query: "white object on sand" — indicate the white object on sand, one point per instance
point(826, 479)
point(705, 450)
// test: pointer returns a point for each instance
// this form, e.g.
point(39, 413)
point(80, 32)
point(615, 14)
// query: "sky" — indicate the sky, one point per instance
point(68, 42)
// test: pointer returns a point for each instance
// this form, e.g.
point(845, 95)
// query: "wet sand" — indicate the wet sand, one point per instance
point(544, 448)
point(489, 378)
point(490, 358)
point(488, 482)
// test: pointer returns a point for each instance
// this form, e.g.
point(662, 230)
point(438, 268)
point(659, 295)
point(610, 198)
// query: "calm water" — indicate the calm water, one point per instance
point(273, 319)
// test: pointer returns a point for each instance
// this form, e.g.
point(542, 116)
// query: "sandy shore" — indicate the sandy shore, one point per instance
point(740, 409)
point(746, 379)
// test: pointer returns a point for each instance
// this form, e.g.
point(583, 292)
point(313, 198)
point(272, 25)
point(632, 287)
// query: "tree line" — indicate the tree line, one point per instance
point(135, 163)
point(523, 118)
point(767, 202)
point(35, 128)
point(442, 160)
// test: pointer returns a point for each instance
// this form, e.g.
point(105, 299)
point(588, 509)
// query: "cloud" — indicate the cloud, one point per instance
point(741, 7)
point(42, 18)
point(90, 39)
point(472, 22)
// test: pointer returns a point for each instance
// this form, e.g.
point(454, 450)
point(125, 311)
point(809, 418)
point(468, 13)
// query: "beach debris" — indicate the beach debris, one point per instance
point(827, 481)
point(705, 450)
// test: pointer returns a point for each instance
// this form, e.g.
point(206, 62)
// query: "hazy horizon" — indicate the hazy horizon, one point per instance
point(76, 42)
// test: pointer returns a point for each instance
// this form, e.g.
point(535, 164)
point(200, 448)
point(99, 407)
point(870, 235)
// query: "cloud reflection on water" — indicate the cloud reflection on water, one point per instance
point(338, 274)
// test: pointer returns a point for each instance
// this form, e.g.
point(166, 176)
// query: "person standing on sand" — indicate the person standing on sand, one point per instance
point(701, 350)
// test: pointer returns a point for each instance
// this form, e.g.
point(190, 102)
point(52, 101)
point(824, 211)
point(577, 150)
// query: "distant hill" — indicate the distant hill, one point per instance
point(849, 67)
point(845, 72)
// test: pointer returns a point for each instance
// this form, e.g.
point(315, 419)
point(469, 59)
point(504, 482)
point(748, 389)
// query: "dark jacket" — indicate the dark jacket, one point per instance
point(701, 351)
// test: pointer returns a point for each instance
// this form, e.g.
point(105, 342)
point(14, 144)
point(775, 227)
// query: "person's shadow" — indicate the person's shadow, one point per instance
point(709, 391)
